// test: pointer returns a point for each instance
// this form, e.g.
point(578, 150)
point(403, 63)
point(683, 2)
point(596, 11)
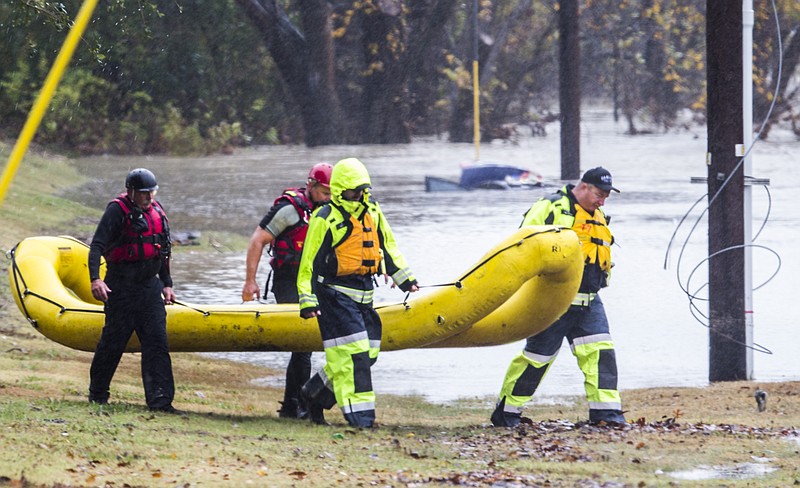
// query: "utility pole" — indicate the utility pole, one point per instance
point(745, 151)
point(728, 354)
point(569, 89)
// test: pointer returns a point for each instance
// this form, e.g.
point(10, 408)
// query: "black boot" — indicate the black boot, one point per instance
point(317, 414)
point(607, 417)
point(315, 411)
point(289, 408)
point(99, 397)
point(302, 408)
point(500, 418)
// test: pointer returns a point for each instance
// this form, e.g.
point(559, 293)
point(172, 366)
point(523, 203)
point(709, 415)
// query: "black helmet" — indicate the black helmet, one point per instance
point(142, 180)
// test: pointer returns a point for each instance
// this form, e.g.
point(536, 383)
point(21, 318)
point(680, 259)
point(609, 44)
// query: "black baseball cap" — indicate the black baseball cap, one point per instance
point(599, 177)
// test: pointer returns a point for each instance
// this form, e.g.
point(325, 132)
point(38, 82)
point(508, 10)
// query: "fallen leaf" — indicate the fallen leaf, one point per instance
point(298, 474)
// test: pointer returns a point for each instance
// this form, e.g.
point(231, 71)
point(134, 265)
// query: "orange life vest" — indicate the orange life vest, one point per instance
point(595, 237)
point(359, 252)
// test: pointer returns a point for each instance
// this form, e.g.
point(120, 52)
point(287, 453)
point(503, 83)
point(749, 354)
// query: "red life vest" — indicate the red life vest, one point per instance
point(145, 235)
point(287, 248)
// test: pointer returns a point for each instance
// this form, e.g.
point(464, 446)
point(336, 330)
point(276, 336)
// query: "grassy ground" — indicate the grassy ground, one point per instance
point(50, 436)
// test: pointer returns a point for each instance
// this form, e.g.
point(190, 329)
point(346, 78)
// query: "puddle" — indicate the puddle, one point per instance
point(735, 472)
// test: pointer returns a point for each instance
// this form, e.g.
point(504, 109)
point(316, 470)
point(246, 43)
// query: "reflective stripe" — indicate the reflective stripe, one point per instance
point(359, 296)
point(343, 341)
point(591, 339)
point(375, 344)
point(595, 354)
point(307, 301)
point(402, 275)
point(583, 299)
point(605, 405)
point(523, 376)
point(539, 358)
point(324, 377)
point(358, 407)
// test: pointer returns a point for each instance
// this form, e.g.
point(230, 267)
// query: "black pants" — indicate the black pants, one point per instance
point(134, 307)
point(284, 287)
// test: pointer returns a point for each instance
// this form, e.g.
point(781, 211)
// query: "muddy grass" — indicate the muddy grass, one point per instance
point(50, 436)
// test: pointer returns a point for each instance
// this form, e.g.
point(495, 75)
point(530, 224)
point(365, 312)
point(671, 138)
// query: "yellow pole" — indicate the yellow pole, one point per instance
point(476, 110)
point(46, 95)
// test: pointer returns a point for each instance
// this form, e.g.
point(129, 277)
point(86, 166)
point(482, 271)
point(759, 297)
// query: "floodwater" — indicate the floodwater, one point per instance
point(659, 342)
point(740, 471)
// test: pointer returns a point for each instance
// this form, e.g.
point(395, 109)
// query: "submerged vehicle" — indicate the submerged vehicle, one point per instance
point(488, 176)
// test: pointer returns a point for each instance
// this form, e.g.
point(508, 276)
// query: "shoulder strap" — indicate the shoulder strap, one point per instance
point(554, 197)
point(345, 223)
point(296, 197)
point(324, 211)
point(120, 200)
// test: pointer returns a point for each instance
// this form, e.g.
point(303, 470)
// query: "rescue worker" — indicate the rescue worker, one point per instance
point(133, 236)
point(284, 228)
point(584, 324)
point(348, 242)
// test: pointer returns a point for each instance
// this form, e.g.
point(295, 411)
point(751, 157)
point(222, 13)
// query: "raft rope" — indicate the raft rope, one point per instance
point(25, 292)
point(15, 272)
point(459, 282)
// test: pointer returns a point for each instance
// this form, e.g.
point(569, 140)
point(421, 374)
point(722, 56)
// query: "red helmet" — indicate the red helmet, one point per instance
point(321, 173)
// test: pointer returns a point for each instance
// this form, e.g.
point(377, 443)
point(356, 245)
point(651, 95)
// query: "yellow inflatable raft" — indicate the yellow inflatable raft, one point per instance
point(518, 288)
point(536, 305)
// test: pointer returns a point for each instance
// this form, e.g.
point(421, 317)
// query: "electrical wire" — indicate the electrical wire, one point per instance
point(692, 296)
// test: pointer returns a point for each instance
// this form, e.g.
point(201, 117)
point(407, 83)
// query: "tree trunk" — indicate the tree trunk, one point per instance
point(462, 117)
point(305, 63)
point(765, 36)
point(461, 126)
point(653, 63)
point(569, 93)
point(615, 66)
point(424, 58)
point(384, 100)
point(316, 20)
point(514, 77)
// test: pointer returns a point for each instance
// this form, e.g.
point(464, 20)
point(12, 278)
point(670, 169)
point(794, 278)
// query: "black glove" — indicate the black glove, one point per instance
point(309, 312)
point(406, 285)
